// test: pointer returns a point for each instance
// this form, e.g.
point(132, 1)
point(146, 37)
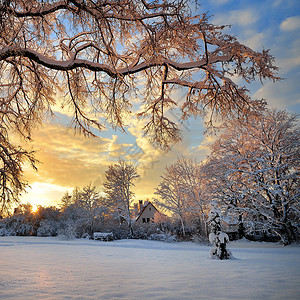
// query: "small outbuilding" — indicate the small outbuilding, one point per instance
point(103, 236)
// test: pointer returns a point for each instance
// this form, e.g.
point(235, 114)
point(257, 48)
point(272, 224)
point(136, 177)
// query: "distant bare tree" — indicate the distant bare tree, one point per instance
point(193, 183)
point(171, 195)
point(94, 57)
point(118, 187)
point(182, 191)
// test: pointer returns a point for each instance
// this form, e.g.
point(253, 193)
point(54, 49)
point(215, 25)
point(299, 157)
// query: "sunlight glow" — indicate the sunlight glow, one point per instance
point(34, 208)
point(44, 194)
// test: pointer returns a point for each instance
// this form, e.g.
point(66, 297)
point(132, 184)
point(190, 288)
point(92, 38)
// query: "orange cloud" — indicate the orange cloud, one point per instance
point(69, 160)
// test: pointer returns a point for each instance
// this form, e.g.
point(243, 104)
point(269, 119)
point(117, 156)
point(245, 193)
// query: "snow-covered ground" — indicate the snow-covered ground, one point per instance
point(50, 268)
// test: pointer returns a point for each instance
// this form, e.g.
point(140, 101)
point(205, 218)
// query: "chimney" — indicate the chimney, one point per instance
point(136, 211)
point(140, 205)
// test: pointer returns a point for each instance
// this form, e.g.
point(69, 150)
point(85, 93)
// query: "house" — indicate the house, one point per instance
point(144, 213)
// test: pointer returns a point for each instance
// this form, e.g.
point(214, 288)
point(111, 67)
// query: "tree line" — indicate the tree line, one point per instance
point(251, 177)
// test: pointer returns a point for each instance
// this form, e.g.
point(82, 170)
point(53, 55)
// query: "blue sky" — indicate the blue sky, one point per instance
point(271, 25)
point(69, 161)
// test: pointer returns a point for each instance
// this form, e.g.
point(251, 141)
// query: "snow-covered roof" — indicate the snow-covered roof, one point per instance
point(143, 209)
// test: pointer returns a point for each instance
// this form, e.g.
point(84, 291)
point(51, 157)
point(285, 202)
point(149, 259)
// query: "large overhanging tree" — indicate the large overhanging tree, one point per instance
point(94, 57)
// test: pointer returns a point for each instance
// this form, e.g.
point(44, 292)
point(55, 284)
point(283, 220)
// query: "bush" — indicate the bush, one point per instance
point(48, 228)
point(68, 231)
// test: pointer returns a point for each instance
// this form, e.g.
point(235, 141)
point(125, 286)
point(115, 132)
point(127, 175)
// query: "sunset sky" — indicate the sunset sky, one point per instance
point(68, 161)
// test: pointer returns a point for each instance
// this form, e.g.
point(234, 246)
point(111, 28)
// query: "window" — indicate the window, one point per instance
point(144, 220)
point(148, 220)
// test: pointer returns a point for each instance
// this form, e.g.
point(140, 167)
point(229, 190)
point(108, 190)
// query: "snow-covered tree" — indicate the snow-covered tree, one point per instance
point(22, 221)
point(218, 238)
point(194, 188)
point(92, 57)
point(118, 188)
point(182, 192)
point(92, 206)
point(82, 211)
point(47, 221)
point(254, 171)
point(171, 195)
point(66, 201)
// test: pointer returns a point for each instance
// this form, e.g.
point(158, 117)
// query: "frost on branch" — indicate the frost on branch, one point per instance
point(218, 238)
point(95, 58)
point(102, 54)
point(254, 172)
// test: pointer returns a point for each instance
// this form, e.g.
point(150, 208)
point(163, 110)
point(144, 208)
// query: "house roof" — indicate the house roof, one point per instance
point(143, 209)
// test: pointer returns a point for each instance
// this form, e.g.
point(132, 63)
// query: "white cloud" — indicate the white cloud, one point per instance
point(220, 2)
point(290, 24)
point(41, 187)
point(277, 3)
point(281, 95)
point(286, 50)
point(288, 63)
point(240, 17)
point(202, 150)
point(254, 40)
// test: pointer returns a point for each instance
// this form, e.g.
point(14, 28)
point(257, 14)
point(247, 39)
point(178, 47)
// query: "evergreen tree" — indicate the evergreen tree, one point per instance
point(218, 238)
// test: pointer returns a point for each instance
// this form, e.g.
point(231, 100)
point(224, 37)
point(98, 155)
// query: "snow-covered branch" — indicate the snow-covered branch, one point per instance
point(102, 54)
point(127, 43)
point(246, 177)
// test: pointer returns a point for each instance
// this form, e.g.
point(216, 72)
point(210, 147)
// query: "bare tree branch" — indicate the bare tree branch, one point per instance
point(100, 54)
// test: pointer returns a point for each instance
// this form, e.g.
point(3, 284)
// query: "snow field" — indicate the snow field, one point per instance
point(50, 268)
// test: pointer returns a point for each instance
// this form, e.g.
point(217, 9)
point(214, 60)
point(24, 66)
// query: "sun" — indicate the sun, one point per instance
point(34, 208)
